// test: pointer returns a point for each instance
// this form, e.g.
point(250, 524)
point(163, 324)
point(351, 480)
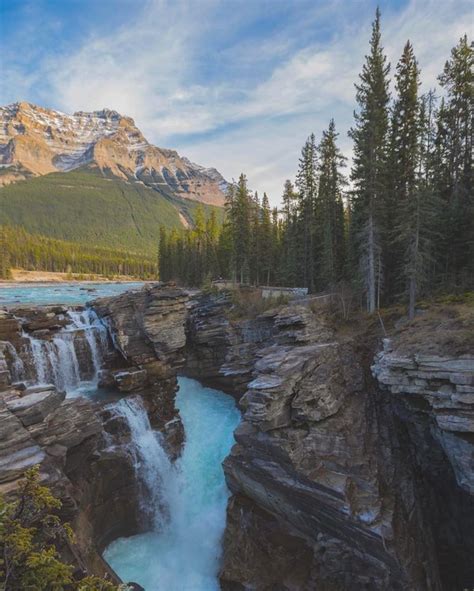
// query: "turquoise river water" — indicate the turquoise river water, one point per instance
point(183, 504)
point(71, 294)
point(182, 552)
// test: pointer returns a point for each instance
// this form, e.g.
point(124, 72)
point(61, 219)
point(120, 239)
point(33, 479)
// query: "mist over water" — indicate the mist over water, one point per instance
point(183, 551)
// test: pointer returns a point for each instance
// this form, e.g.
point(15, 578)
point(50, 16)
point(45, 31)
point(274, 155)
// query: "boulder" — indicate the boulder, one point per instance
point(35, 404)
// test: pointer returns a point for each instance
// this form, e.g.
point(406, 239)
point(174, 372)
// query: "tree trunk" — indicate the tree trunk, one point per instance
point(371, 268)
point(412, 297)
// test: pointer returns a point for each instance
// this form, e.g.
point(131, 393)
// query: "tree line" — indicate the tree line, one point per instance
point(19, 249)
point(400, 225)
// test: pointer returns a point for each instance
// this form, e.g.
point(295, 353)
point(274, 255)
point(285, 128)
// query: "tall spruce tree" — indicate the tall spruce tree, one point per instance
point(411, 200)
point(241, 219)
point(288, 266)
point(266, 240)
point(369, 172)
point(306, 183)
point(255, 240)
point(331, 214)
point(455, 124)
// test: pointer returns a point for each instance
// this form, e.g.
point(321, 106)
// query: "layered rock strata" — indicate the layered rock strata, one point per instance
point(148, 328)
point(337, 484)
point(349, 471)
point(83, 445)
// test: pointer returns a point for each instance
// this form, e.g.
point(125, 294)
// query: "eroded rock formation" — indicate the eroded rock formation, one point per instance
point(353, 465)
point(336, 483)
point(82, 445)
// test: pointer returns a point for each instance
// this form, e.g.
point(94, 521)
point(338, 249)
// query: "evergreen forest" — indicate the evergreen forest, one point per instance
point(397, 226)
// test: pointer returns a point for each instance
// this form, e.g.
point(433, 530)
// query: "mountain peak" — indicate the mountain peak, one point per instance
point(35, 141)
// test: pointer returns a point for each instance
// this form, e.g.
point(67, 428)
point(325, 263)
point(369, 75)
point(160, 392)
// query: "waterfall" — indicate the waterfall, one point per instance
point(56, 360)
point(40, 359)
point(154, 471)
point(95, 333)
point(185, 502)
point(17, 367)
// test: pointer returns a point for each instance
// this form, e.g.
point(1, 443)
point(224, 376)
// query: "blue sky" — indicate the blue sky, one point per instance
point(235, 84)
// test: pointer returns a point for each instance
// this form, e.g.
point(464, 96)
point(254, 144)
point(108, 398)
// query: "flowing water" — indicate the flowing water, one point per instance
point(72, 294)
point(56, 361)
point(182, 504)
point(185, 502)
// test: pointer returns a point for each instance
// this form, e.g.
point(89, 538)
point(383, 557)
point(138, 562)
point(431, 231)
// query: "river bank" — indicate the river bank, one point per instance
point(46, 277)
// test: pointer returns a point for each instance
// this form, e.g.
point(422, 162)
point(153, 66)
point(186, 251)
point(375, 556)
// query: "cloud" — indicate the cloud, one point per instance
point(235, 84)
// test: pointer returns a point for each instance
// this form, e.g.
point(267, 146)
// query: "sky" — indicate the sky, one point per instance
point(234, 84)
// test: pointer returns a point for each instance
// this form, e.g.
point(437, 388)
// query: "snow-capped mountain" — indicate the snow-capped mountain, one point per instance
point(36, 141)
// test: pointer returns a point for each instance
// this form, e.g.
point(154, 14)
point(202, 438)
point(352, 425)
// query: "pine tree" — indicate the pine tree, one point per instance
point(266, 240)
point(288, 265)
point(331, 209)
point(369, 165)
point(406, 151)
point(306, 182)
point(455, 124)
point(212, 269)
point(241, 229)
point(163, 255)
point(256, 247)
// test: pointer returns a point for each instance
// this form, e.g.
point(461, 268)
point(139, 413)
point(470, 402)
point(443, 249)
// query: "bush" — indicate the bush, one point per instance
point(30, 533)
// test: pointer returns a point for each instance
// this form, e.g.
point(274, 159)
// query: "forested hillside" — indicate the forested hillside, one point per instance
point(19, 249)
point(87, 207)
point(400, 225)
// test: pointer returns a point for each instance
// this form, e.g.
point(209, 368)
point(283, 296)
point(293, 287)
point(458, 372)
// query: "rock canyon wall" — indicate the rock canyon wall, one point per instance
point(83, 444)
point(353, 464)
point(341, 479)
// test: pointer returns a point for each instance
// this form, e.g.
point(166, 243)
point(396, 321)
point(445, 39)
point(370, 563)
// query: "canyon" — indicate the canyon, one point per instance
point(353, 462)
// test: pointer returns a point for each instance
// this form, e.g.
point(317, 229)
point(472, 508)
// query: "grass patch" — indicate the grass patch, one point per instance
point(248, 303)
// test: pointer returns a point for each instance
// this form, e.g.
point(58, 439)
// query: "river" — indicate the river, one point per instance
point(182, 551)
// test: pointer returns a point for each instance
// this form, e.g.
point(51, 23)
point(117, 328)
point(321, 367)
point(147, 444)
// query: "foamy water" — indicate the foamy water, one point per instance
point(183, 551)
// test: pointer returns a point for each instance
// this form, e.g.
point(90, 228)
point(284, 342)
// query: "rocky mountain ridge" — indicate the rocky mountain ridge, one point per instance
point(36, 141)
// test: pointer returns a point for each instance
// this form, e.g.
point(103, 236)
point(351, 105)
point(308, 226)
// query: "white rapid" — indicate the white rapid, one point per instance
point(186, 502)
point(17, 366)
point(154, 471)
point(56, 361)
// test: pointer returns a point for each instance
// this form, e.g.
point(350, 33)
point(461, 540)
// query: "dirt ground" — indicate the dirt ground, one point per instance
point(22, 276)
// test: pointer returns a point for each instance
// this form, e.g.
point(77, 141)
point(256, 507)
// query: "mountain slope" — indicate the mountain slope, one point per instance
point(35, 141)
point(87, 207)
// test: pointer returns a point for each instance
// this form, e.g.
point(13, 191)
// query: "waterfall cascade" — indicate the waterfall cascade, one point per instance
point(56, 361)
point(155, 473)
point(185, 503)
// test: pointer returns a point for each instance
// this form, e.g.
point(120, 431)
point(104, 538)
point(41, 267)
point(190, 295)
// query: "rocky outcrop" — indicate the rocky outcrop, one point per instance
point(349, 471)
point(148, 328)
point(38, 426)
point(336, 485)
point(443, 389)
point(147, 324)
point(38, 141)
point(221, 351)
point(83, 445)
